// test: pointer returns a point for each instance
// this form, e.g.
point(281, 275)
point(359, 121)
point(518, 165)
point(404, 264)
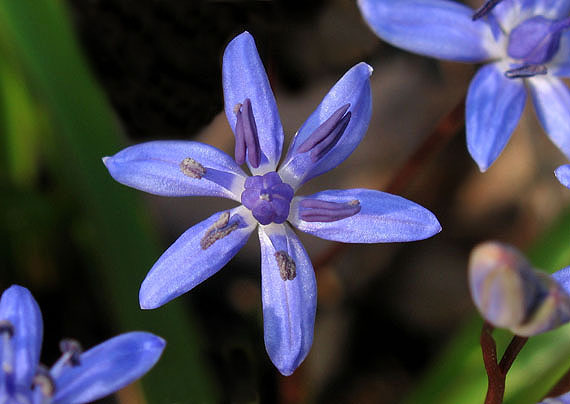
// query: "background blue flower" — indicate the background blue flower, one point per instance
point(525, 43)
point(76, 377)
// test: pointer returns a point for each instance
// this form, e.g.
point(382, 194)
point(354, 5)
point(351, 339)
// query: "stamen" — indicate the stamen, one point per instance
point(246, 135)
point(71, 355)
point(316, 210)
point(485, 9)
point(327, 134)
point(526, 71)
point(287, 267)
point(44, 382)
point(219, 229)
point(192, 168)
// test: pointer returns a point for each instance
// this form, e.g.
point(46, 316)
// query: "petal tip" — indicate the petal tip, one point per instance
point(105, 160)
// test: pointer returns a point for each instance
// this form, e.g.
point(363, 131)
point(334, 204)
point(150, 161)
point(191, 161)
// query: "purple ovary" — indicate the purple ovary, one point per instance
point(268, 198)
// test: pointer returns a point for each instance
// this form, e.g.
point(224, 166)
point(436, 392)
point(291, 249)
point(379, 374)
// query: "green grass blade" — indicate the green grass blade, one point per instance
point(85, 129)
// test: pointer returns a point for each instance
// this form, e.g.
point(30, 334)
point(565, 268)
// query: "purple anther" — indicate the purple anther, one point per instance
point(72, 349)
point(327, 134)
point(536, 40)
point(268, 198)
point(246, 135)
point(316, 210)
point(485, 9)
point(526, 71)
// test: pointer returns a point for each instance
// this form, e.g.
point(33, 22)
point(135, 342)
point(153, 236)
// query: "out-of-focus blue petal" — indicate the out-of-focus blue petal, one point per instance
point(493, 108)
point(108, 367)
point(289, 306)
point(439, 28)
point(553, 9)
point(155, 167)
point(19, 307)
point(244, 77)
point(563, 399)
point(510, 13)
point(194, 257)
point(353, 88)
point(562, 276)
point(563, 175)
point(551, 100)
point(383, 217)
point(560, 64)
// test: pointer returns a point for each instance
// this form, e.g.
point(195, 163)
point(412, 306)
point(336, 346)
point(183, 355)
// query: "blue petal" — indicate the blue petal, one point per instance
point(186, 263)
point(108, 367)
point(438, 28)
point(244, 77)
point(553, 9)
point(560, 64)
point(353, 88)
point(563, 175)
point(562, 276)
point(154, 167)
point(510, 13)
point(19, 307)
point(551, 100)
point(289, 306)
point(382, 218)
point(493, 109)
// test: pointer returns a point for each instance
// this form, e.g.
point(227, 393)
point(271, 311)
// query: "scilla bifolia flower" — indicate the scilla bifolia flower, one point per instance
point(526, 43)
point(77, 377)
point(185, 168)
point(511, 294)
point(563, 175)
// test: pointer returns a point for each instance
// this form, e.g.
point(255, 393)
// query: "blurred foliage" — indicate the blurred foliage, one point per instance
point(458, 376)
point(56, 124)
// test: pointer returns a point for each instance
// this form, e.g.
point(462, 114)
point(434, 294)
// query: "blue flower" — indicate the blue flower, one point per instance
point(524, 42)
point(510, 293)
point(76, 377)
point(330, 134)
point(563, 175)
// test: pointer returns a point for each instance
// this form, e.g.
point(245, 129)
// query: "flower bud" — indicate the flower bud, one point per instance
point(511, 294)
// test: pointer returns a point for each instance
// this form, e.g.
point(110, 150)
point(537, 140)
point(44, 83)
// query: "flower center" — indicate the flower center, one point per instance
point(268, 198)
point(535, 41)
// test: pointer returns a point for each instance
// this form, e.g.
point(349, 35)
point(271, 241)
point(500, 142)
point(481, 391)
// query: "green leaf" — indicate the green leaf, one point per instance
point(85, 129)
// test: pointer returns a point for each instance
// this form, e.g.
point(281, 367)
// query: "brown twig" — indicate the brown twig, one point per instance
point(441, 134)
point(497, 371)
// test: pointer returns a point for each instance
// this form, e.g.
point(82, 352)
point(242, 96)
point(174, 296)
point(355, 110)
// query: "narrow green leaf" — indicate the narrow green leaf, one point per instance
point(86, 130)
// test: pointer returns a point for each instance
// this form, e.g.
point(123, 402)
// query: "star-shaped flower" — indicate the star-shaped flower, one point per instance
point(184, 168)
point(76, 377)
point(526, 43)
point(563, 175)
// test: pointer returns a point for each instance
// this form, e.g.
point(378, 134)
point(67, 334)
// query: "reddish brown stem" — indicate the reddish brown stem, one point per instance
point(497, 371)
point(441, 134)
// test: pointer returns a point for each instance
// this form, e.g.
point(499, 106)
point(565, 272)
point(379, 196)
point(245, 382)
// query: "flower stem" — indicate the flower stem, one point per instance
point(497, 371)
